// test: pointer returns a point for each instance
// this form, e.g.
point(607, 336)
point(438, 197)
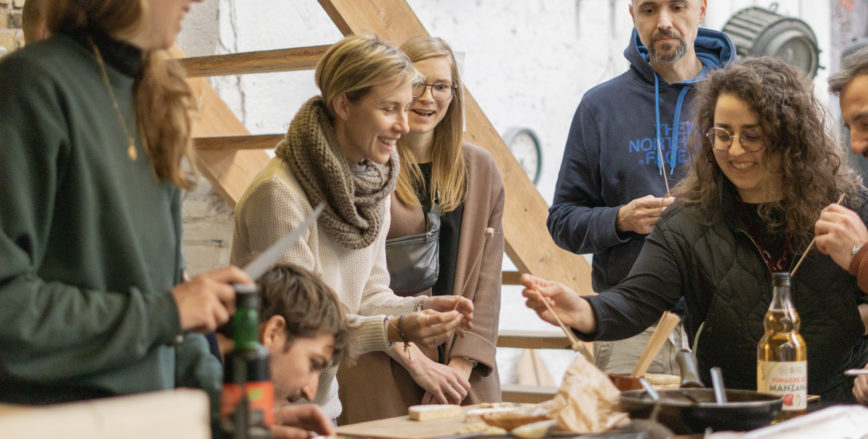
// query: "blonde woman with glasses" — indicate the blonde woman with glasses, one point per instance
point(452, 184)
point(340, 151)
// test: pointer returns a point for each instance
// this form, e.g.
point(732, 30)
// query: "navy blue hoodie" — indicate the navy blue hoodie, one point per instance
point(611, 155)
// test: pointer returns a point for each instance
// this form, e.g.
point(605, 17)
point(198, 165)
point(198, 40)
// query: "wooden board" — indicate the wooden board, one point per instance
point(280, 60)
point(171, 414)
point(403, 428)
point(528, 243)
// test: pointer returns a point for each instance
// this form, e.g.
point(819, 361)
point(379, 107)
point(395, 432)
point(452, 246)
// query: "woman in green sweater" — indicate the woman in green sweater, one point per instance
point(96, 137)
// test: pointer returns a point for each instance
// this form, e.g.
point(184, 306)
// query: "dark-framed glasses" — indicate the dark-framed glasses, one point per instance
point(721, 139)
point(440, 91)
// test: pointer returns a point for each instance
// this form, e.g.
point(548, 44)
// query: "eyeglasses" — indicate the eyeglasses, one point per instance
point(440, 91)
point(721, 139)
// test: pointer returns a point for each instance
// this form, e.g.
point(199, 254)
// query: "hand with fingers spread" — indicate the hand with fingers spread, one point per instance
point(572, 309)
point(208, 300)
point(428, 328)
point(837, 232)
point(639, 215)
point(299, 421)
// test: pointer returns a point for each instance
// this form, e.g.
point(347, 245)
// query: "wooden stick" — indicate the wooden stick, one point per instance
point(811, 244)
point(665, 326)
point(575, 344)
point(663, 166)
point(489, 232)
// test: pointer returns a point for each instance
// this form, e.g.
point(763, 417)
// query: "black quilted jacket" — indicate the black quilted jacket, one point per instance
point(719, 271)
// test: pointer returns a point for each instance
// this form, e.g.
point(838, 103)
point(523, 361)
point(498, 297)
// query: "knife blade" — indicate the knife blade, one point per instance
point(266, 259)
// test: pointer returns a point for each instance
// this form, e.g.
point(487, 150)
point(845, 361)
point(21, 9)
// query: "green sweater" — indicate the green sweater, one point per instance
point(90, 240)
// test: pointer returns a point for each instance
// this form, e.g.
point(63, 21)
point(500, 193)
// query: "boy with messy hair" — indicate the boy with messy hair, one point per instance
point(303, 327)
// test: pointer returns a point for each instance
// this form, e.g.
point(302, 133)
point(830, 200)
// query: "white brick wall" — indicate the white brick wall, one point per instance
point(527, 63)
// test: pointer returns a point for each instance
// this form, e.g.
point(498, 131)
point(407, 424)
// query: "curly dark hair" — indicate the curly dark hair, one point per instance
point(793, 122)
point(307, 304)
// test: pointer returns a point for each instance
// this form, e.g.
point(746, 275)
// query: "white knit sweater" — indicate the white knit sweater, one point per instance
point(273, 205)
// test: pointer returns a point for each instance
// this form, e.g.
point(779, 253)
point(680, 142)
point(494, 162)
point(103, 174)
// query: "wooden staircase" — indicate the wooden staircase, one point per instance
point(229, 157)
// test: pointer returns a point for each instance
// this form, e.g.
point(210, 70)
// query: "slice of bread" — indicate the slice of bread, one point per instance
point(428, 412)
point(510, 419)
point(535, 430)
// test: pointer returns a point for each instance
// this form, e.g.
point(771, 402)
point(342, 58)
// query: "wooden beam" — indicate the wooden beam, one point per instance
point(532, 340)
point(228, 171)
point(392, 20)
point(510, 278)
point(528, 243)
point(280, 60)
point(229, 143)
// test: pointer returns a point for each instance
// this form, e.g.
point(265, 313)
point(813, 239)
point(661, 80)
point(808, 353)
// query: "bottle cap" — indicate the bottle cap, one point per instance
point(782, 277)
point(246, 296)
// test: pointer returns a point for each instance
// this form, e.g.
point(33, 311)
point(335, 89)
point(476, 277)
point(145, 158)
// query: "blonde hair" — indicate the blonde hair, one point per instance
point(358, 63)
point(448, 169)
point(166, 134)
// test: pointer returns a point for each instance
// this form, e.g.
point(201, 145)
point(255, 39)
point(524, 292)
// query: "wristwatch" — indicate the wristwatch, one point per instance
point(855, 249)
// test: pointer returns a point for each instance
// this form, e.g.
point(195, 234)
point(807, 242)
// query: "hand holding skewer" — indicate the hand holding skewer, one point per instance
point(570, 301)
point(840, 233)
point(816, 235)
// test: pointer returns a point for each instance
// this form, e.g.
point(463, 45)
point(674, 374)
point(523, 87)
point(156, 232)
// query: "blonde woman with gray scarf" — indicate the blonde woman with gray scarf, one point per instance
point(340, 149)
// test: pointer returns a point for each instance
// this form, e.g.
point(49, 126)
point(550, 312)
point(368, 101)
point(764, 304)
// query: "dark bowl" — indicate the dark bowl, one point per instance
point(688, 411)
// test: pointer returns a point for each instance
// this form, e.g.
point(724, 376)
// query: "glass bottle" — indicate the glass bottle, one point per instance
point(782, 355)
point(247, 399)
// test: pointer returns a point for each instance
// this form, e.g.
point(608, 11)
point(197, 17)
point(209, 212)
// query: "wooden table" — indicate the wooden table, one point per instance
point(403, 427)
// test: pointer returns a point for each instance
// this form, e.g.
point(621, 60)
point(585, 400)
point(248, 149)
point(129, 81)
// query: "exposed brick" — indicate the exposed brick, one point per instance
point(4, 21)
point(14, 20)
point(18, 4)
point(4, 3)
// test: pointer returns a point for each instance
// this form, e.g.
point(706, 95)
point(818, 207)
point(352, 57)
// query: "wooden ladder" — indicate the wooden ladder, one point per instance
point(229, 157)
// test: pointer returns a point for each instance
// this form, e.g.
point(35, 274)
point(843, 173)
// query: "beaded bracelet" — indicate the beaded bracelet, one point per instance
point(402, 334)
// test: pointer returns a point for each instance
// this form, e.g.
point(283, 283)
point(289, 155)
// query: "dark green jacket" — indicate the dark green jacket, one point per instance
point(715, 266)
point(90, 240)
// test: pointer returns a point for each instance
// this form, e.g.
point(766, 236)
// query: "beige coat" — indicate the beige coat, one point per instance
point(377, 386)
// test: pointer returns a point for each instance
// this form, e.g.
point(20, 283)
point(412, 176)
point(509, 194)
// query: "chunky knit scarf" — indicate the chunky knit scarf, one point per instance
point(353, 193)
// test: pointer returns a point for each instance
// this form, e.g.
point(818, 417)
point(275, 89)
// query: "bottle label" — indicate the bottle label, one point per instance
point(260, 398)
point(786, 378)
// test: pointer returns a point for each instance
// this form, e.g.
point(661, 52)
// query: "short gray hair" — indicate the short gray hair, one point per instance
point(855, 64)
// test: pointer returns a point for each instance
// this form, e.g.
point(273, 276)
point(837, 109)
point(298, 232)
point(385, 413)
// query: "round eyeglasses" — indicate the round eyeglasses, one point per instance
point(440, 91)
point(721, 139)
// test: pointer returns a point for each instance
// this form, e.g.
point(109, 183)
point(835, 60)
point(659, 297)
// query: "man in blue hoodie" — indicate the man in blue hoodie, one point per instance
point(627, 145)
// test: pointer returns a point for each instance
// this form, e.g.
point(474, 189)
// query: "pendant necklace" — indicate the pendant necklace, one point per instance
point(131, 149)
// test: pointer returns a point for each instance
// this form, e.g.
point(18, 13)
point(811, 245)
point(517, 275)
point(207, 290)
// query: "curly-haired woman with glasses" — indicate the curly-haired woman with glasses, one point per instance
point(447, 181)
point(766, 166)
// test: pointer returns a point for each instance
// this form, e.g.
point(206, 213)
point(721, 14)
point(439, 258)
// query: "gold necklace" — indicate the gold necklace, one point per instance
point(131, 149)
